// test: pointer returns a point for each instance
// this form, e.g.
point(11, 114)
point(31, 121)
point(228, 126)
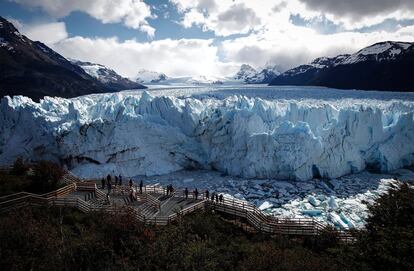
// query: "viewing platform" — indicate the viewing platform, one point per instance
point(154, 206)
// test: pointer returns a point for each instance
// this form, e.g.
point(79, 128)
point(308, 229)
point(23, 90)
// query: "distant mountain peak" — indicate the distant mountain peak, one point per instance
point(147, 77)
point(249, 75)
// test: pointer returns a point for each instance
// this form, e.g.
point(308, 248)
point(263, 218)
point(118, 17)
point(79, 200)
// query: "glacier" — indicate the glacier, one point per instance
point(252, 133)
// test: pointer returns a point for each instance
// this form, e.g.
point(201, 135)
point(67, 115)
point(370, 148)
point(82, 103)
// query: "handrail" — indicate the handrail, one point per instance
point(254, 216)
point(152, 200)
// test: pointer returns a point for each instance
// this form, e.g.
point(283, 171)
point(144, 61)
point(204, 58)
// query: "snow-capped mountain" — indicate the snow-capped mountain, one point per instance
point(150, 77)
point(249, 75)
point(32, 69)
point(194, 80)
point(317, 64)
point(107, 76)
point(198, 80)
point(382, 66)
point(246, 73)
point(379, 52)
point(267, 74)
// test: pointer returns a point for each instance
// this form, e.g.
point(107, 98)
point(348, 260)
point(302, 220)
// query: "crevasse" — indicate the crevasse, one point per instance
point(250, 137)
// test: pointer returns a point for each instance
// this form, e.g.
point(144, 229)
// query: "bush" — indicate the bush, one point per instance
point(327, 239)
point(46, 176)
point(19, 167)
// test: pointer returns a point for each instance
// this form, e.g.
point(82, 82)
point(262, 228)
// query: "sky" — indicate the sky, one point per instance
point(208, 37)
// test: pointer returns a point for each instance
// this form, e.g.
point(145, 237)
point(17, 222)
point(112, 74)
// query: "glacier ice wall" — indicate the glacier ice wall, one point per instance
point(250, 137)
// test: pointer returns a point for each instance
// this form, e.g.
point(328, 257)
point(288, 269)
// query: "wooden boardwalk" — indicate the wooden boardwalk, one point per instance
point(154, 206)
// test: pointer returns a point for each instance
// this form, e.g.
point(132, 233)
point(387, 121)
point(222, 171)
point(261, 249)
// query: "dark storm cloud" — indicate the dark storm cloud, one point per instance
point(357, 9)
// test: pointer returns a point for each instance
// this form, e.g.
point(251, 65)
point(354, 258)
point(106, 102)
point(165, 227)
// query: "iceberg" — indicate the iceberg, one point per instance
point(139, 133)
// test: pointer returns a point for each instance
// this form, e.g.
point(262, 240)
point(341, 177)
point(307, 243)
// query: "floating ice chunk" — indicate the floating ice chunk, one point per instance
point(265, 205)
point(337, 221)
point(312, 212)
point(312, 200)
point(306, 206)
point(332, 203)
point(321, 197)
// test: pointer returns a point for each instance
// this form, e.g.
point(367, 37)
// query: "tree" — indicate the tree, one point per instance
point(388, 243)
point(46, 176)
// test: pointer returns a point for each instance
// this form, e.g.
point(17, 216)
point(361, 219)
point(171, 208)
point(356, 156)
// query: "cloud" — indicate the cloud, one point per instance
point(279, 7)
point(359, 8)
point(350, 15)
point(270, 34)
point(223, 17)
point(237, 19)
point(132, 13)
point(173, 57)
point(363, 12)
point(46, 32)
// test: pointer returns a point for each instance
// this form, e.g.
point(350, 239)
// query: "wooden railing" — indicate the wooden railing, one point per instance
point(255, 217)
point(152, 200)
point(25, 198)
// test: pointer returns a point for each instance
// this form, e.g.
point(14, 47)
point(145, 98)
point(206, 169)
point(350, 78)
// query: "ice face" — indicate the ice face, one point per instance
point(144, 134)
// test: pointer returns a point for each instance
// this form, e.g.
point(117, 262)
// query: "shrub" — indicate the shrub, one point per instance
point(46, 176)
point(19, 167)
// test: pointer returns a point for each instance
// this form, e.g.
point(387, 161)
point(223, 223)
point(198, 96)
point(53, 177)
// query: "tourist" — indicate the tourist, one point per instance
point(131, 196)
point(168, 190)
point(196, 193)
point(120, 180)
point(103, 183)
point(212, 196)
point(130, 183)
point(221, 198)
point(116, 180)
point(141, 184)
point(108, 178)
point(109, 188)
point(217, 198)
point(206, 194)
point(171, 189)
point(186, 193)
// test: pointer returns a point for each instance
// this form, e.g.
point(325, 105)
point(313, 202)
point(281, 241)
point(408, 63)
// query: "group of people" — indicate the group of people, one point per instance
point(170, 190)
point(117, 180)
point(195, 193)
point(214, 196)
point(108, 181)
point(217, 197)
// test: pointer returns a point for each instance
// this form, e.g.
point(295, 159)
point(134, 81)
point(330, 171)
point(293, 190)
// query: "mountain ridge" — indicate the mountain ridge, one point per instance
point(106, 76)
point(384, 66)
point(32, 69)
